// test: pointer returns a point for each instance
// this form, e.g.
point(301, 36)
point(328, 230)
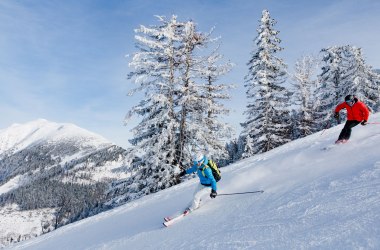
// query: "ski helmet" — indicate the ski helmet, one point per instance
point(349, 98)
point(198, 157)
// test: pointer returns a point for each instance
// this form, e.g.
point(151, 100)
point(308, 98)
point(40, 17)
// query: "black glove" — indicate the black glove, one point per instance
point(364, 123)
point(336, 115)
point(213, 194)
point(183, 172)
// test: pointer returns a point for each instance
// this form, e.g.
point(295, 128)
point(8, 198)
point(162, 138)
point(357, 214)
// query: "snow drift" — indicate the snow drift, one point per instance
point(316, 196)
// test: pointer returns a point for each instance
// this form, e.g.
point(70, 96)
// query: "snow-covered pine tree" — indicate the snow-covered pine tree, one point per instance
point(214, 94)
point(304, 83)
point(188, 95)
point(200, 125)
point(295, 117)
point(232, 150)
point(267, 125)
point(154, 71)
point(376, 77)
point(169, 69)
point(362, 79)
point(329, 91)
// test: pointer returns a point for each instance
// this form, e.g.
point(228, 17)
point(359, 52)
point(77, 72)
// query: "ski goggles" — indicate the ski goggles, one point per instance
point(200, 161)
point(350, 102)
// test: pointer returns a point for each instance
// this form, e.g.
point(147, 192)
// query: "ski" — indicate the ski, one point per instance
point(334, 145)
point(328, 147)
point(171, 221)
point(337, 143)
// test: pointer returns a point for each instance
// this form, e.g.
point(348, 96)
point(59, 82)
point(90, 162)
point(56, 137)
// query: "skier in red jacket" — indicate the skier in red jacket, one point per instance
point(357, 112)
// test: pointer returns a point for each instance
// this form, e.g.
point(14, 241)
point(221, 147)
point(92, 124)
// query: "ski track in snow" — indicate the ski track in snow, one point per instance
point(313, 199)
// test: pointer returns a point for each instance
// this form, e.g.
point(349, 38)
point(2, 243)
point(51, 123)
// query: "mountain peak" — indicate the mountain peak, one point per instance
point(19, 136)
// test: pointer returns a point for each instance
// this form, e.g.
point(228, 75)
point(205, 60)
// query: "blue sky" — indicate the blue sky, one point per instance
point(65, 61)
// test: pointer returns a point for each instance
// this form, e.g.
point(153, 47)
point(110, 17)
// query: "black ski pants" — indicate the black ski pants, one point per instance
point(346, 131)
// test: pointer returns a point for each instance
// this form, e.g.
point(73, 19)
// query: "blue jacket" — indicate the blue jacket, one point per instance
point(207, 179)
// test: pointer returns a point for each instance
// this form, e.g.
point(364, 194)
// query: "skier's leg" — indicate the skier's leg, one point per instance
point(197, 189)
point(349, 125)
point(343, 133)
point(199, 192)
point(194, 204)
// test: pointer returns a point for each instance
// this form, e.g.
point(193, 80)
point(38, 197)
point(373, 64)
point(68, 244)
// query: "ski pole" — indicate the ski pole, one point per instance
point(328, 124)
point(373, 122)
point(251, 192)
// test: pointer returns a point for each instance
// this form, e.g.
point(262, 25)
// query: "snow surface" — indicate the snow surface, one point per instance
point(11, 184)
point(27, 224)
point(315, 198)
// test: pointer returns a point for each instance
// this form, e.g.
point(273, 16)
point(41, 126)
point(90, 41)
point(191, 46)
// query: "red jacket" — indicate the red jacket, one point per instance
point(358, 111)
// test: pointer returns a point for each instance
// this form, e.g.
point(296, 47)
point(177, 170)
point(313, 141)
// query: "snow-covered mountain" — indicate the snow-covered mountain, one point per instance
point(20, 136)
point(317, 196)
point(42, 145)
point(45, 166)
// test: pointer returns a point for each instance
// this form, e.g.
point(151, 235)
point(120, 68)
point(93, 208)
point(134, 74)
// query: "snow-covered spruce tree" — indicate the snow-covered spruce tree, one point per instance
point(189, 92)
point(200, 125)
point(329, 91)
point(376, 77)
point(169, 68)
point(232, 150)
point(304, 83)
point(215, 93)
point(154, 71)
point(267, 125)
point(362, 79)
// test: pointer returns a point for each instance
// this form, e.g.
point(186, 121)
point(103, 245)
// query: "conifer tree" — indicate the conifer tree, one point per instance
point(362, 79)
point(329, 91)
point(200, 126)
point(214, 95)
point(267, 124)
point(304, 83)
point(171, 68)
point(376, 79)
point(155, 74)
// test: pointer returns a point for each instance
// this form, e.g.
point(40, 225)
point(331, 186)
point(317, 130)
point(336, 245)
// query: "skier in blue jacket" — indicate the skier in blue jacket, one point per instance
point(206, 179)
point(207, 182)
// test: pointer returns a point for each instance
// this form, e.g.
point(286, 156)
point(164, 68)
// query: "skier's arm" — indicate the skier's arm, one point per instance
point(192, 169)
point(340, 107)
point(365, 111)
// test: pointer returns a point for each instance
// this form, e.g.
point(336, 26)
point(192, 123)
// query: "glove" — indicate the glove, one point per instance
point(364, 123)
point(183, 172)
point(213, 194)
point(336, 115)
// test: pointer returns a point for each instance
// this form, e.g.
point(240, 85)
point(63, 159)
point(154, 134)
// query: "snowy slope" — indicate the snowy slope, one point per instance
point(313, 199)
